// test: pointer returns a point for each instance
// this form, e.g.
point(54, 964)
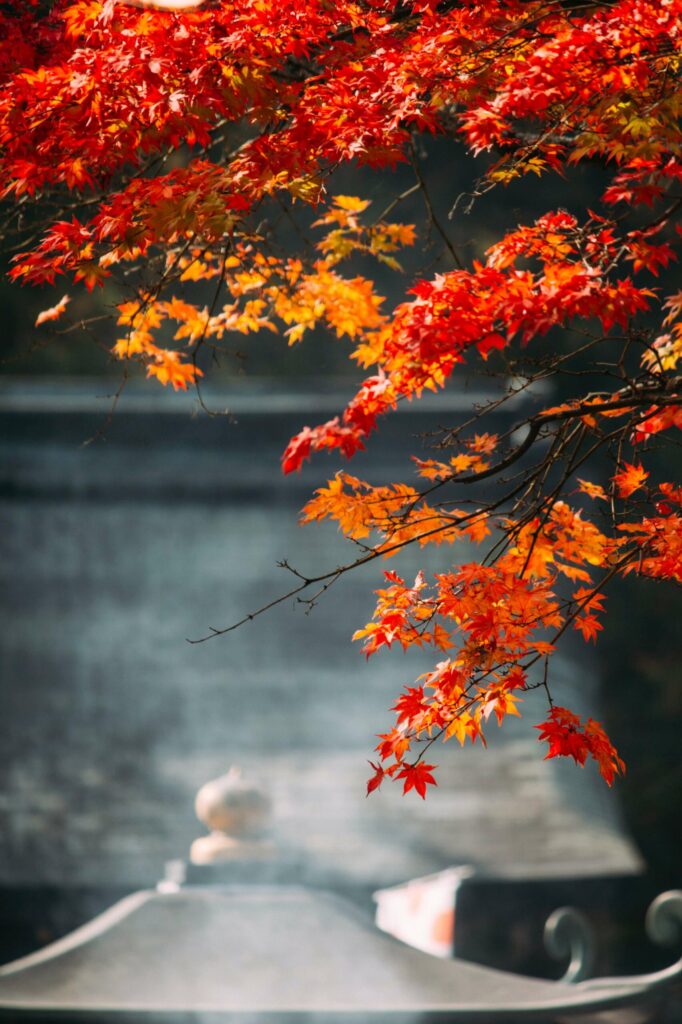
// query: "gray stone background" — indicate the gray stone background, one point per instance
point(114, 552)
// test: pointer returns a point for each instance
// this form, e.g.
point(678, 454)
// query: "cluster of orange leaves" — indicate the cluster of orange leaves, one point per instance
point(95, 92)
point(266, 293)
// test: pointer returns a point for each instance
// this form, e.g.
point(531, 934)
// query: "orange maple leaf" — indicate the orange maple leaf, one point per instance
point(431, 469)
point(54, 312)
point(629, 479)
point(589, 626)
point(592, 490)
point(393, 744)
point(168, 368)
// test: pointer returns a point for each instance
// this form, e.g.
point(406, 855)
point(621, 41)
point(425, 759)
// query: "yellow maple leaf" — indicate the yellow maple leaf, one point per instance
point(351, 203)
point(307, 189)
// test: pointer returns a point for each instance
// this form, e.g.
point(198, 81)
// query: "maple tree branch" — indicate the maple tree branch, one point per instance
point(580, 604)
point(379, 552)
point(202, 338)
point(658, 395)
point(534, 480)
point(433, 219)
point(456, 523)
point(394, 202)
point(578, 607)
point(534, 427)
point(549, 500)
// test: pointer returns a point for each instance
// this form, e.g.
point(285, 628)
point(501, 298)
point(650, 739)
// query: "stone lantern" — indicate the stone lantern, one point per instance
point(233, 952)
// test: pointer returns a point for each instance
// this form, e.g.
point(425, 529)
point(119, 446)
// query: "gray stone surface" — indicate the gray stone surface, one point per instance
point(115, 552)
point(272, 951)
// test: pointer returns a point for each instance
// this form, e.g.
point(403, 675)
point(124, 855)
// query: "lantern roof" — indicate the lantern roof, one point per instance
point(270, 950)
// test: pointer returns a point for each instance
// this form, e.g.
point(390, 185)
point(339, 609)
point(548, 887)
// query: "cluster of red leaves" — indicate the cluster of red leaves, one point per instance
point(501, 620)
point(504, 619)
point(481, 310)
point(272, 98)
point(568, 737)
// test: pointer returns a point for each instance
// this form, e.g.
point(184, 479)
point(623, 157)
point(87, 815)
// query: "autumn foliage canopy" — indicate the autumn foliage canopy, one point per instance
point(142, 145)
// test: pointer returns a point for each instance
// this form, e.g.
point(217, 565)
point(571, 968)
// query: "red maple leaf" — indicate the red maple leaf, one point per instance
point(417, 776)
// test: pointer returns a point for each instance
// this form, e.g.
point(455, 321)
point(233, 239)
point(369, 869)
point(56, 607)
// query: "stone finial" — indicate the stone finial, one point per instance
point(237, 813)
